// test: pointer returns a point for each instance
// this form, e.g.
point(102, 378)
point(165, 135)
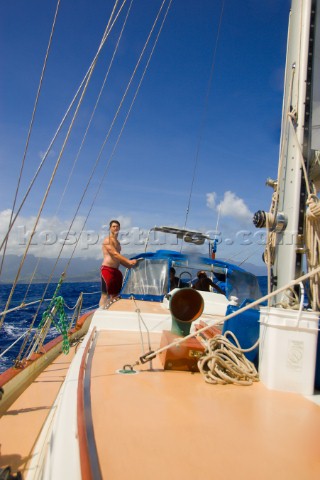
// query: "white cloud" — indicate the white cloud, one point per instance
point(52, 234)
point(231, 206)
point(49, 236)
point(211, 200)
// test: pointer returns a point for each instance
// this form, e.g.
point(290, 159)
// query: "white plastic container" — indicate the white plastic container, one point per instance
point(287, 351)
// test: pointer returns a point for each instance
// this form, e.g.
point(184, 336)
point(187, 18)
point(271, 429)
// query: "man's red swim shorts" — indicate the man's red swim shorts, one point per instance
point(111, 280)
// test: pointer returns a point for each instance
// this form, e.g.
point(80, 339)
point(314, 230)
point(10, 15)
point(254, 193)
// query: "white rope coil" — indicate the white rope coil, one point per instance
point(225, 362)
point(312, 229)
point(313, 207)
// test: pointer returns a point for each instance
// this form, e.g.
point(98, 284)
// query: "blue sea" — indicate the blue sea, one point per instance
point(16, 323)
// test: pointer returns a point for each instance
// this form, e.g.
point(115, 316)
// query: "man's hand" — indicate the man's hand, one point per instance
point(132, 263)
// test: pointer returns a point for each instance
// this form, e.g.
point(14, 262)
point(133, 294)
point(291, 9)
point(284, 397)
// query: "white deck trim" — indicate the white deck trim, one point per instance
point(60, 433)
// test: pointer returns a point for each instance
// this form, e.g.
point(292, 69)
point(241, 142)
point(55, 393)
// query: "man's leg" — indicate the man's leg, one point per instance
point(111, 283)
point(104, 293)
point(103, 300)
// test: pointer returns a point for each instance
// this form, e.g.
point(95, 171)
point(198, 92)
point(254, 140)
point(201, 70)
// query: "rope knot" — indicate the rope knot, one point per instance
point(313, 207)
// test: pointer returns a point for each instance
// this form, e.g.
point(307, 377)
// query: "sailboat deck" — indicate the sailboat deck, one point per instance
point(175, 418)
point(21, 425)
point(150, 424)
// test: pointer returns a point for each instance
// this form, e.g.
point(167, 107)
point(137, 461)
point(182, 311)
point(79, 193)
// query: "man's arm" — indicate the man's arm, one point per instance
point(216, 287)
point(113, 252)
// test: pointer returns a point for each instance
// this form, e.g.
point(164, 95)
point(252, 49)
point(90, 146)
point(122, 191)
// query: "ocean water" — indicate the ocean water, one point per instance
point(17, 323)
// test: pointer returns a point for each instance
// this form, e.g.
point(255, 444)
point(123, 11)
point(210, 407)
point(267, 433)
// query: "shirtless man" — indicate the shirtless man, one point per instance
point(111, 276)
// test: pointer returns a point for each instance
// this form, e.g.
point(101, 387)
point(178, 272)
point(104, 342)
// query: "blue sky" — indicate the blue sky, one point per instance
point(230, 131)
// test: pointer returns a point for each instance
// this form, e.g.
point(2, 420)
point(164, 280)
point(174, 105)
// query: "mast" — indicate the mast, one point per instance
point(285, 222)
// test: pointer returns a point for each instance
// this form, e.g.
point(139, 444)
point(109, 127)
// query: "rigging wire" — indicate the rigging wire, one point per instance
point(29, 131)
point(96, 104)
point(312, 227)
point(97, 161)
point(141, 320)
point(107, 137)
point(204, 115)
point(24, 305)
point(45, 156)
point(271, 235)
point(218, 217)
point(79, 151)
point(2, 354)
point(152, 354)
point(114, 147)
point(249, 256)
point(123, 125)
point(230, 259)
point(69, 229)
point(105, 36)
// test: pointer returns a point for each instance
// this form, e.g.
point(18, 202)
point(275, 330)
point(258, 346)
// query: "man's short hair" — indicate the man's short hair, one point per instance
point(114, 221)
point(201, 274)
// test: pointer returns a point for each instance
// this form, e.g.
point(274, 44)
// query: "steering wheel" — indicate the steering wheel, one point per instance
point(185, 273)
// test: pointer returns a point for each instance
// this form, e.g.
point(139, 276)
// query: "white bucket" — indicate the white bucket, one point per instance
point(287, 351)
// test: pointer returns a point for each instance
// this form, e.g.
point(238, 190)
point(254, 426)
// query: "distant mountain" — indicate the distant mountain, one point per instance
point(79, 270)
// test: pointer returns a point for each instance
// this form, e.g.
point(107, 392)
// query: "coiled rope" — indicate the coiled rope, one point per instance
point(313, 246)
point(312, 217)
point(225, 362)
point(269, 253)
point(59, 320)
point(312, 229)
point(152, 354)
point(29, 331)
